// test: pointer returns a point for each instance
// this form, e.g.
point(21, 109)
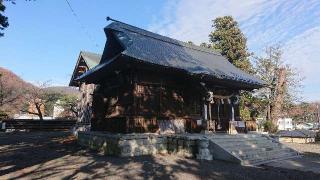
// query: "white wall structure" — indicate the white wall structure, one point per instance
point(57, 110)
point(30, 116)
point(285, 124)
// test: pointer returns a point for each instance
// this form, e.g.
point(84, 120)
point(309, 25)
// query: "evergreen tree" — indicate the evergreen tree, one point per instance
point(190, 42)
point(206, 45)
point(3, 19)
point(228, 39)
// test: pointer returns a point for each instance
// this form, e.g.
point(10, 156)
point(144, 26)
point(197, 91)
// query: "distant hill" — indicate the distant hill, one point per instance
point(10, 79)
point(15, 85)
point(64, 90)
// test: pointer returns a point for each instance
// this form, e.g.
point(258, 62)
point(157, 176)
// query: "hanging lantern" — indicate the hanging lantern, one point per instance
point(235, 99)
point(209, 97)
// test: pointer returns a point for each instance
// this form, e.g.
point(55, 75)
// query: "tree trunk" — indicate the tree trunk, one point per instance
point(38, 107)
point(269, 112)
point(276, 110)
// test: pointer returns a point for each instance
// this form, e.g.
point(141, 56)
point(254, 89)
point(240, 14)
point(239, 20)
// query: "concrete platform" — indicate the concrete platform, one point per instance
point(245, 149)
point(128, 145)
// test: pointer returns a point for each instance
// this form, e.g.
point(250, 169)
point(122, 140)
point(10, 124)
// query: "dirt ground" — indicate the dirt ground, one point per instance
point(309, 150)
point(55, 155)
point(309, 162)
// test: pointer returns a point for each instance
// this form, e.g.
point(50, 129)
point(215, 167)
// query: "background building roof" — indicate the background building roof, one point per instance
point(90, 59)
point(297, 133)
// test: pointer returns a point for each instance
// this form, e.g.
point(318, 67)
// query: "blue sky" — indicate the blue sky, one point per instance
point(44, 38)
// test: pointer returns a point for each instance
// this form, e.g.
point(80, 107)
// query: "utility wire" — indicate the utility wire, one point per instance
point(81, 25)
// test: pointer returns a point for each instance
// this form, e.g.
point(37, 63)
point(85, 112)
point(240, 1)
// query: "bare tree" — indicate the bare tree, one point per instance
point(279, 93)
point(37, 98)
point(305, 112)
point(284, 83)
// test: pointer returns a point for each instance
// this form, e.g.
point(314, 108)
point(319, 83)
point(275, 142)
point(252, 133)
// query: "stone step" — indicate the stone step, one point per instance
point(274, 155)
point(262, 154)
point(245, 144)
point(250, 146)
point(240, 140)
point(253, 150)
point(277, 157)
point(239, 136)
point(250, 149)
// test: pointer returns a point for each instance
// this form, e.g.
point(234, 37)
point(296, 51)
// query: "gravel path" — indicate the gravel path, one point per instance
point(55, 155)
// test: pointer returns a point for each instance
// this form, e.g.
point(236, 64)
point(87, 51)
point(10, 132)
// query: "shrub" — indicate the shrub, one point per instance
point(3, 115)
point(270, 127)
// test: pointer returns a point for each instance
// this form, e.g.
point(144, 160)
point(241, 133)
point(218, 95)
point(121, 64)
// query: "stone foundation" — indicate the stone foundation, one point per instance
point(186, 146)
point(126, 145)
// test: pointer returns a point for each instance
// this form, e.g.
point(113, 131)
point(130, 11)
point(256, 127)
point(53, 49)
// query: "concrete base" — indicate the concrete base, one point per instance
point(125, 145)
point(246, 149)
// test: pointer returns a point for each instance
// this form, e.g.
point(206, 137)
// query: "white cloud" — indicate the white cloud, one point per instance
point(265, 22)
point(303, 52)
point(191, 20)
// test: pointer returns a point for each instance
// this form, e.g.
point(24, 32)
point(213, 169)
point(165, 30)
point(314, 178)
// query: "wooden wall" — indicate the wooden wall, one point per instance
point(138, 100)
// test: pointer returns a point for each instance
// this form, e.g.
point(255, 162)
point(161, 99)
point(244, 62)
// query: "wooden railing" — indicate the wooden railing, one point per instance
point(29, 124)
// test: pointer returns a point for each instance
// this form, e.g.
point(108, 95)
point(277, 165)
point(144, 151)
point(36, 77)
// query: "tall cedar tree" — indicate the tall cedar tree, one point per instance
point(231, 42)
point(228, 39)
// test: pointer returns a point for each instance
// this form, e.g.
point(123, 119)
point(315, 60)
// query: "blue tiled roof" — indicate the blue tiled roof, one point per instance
point(297, 133)
point(160, 50)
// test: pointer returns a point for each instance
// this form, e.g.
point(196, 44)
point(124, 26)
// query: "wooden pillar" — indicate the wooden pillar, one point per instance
point(218, 114)
point(209, 123)
point(205, 115)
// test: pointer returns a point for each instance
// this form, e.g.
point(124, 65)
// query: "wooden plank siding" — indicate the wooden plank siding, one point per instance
point(136, 101)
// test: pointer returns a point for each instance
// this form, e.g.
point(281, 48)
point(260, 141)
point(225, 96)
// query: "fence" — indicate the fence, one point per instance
point(29, 124)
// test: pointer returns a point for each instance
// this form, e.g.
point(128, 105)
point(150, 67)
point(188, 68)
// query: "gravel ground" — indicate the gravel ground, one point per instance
point(55, 155)
point(309, 162)
point(309, 150)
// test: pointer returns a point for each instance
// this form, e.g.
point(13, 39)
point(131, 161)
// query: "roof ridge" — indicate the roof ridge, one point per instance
point(82, 51)
point(183, 44)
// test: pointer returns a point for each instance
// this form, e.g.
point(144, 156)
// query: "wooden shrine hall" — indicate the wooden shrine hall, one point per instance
point(145, 82)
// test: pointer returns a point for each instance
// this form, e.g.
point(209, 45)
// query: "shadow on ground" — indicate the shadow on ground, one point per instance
point(22, 150)
point(43, 155)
